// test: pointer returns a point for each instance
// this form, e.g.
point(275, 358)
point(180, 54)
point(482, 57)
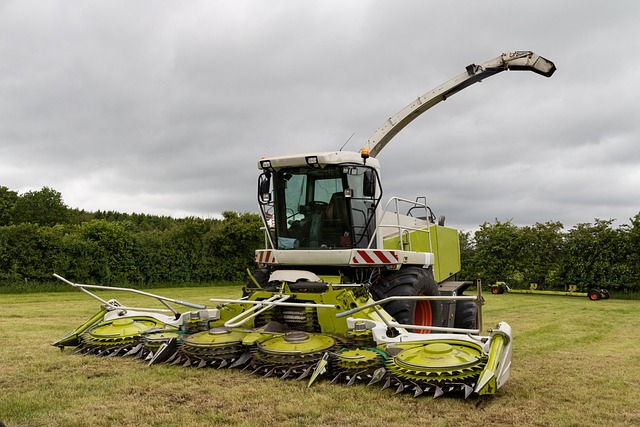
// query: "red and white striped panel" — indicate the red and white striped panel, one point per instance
point(374, 257)
point(265, 257)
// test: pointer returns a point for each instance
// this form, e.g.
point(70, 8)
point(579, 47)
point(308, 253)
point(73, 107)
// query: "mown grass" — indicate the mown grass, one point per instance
point(575, 363)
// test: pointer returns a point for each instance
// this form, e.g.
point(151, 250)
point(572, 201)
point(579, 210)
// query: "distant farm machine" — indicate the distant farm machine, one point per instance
point(345, 288)
point(572, 291)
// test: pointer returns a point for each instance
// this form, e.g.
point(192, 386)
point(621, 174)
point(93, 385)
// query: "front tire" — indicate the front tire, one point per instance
point(466, 315)
point(410, 281)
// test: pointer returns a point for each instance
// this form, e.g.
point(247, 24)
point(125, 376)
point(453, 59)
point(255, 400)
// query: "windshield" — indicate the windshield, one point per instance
point(324, 208)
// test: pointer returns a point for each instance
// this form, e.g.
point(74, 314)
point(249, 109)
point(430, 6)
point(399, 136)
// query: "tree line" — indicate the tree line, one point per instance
point(40, 235)
point(589, 255)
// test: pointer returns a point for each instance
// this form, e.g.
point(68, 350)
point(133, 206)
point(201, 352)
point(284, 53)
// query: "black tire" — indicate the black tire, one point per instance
point(261, 276)
point(410, 281)
point(605, 294)
point(594, 295)
point(495, 290)
point(466, 315)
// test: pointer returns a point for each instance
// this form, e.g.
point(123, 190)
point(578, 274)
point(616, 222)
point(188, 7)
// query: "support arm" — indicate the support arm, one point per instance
point(519, 60)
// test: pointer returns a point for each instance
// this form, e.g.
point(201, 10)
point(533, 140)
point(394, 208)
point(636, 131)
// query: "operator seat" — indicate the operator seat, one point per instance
point(336, 221)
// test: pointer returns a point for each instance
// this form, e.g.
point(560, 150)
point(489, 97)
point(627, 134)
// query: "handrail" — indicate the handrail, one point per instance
point(401, 228)
point(111, 306)
point(434, 328)
point(244, 316)
point(374, 304)
point(407, 298)
point(276, 303)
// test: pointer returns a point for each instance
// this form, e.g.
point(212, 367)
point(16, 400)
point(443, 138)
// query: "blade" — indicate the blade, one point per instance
point(400, 388)
point(438, 392)
point(270, 372)
point(288, 373)
point(241, 360)
point(418, 391)
point(115, 352)
point(378, 374)
point(259, 368)
point(134, 350)
point(202, 364)
point(387, 383)
point(173, 356)
point(306, 373)
point(467, 390)
point(159, 356)
point(355, 377)
point(163, 353)
point(111, 352)
point(321, 368)
point(337, 377)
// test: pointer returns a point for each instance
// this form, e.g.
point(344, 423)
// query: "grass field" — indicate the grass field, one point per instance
point(575, 363)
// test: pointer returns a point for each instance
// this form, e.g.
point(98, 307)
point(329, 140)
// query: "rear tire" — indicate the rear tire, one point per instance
point(594, 295)
point(410, 281)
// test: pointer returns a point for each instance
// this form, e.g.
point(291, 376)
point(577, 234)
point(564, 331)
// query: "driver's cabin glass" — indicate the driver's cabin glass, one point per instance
point(323, 208)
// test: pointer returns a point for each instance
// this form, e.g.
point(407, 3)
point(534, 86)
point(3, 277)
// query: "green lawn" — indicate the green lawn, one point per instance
point(575, 362)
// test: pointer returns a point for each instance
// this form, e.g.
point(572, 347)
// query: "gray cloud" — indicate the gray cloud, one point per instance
point(165, 107)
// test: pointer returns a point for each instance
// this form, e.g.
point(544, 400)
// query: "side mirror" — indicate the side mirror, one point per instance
point(369, 184)
point(264, 188)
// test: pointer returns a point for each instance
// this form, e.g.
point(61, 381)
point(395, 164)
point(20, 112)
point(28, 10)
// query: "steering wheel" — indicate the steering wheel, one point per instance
point(317, 206)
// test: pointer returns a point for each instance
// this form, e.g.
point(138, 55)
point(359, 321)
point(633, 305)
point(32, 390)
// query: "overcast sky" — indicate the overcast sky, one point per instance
point(164, 107)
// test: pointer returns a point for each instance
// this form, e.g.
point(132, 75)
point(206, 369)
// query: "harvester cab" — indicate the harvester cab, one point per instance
point(325, 201)
point(348, 287)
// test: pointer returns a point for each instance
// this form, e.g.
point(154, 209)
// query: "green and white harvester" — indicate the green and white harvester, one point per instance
point(347, 288)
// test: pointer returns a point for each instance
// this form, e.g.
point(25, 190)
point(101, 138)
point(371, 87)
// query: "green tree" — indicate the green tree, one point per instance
point(8, 200)
point(633, 253)
point(191, 262)
point(32, 252)
point(234, 241)
point(156, 258)
point(498, 249)
point(112, 250)
point(591, 256)
point(468, 269)
point(43, 207)
point(540, 253)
